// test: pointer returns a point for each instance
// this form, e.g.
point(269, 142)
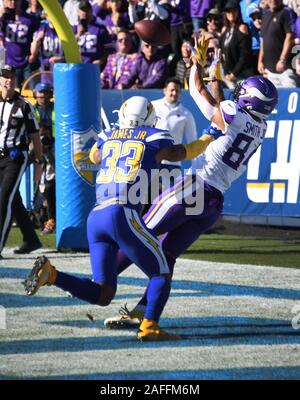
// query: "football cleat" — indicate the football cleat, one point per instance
point(150, 331)
point(126, 319)
point(42, 273)
point(49, 227)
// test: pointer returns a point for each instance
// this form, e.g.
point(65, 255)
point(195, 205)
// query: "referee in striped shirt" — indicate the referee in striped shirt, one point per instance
point(18, 128)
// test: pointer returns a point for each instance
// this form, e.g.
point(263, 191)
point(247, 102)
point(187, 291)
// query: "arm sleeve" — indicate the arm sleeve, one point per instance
point(204, 106)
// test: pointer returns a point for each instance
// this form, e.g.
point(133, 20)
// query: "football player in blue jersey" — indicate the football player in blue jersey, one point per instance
point(127, 155)
point(241, 127)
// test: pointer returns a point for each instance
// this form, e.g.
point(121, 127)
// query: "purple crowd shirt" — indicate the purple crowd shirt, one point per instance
point(177, 12)
point(199, 8)
point(51, 45)
point(118, 69)
point(149, 74)
point(18, 35)
point(92, 43)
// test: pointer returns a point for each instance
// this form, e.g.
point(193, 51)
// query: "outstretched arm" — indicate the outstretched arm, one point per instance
point(207, 104)
point(180, 152)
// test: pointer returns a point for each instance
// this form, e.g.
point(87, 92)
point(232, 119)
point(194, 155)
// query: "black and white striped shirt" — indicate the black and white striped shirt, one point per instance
point(17, 122)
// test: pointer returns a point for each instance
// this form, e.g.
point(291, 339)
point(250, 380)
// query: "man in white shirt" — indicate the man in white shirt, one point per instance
point(174, 117)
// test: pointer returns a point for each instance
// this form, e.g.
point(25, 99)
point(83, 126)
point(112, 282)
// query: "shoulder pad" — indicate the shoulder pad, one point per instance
point(229, 110)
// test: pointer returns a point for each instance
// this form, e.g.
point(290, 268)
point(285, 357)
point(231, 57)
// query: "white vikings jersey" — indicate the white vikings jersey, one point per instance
point(226, 158)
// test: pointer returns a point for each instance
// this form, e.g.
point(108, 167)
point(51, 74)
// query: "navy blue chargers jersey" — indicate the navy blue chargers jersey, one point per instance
point(127, 162)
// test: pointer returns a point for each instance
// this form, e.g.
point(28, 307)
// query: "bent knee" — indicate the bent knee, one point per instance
point(107, 294)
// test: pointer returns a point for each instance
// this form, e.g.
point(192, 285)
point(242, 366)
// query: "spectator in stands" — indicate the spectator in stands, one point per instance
point(46, 46)
point(44, 107)
point(245, 6)
point(177, 26)
point(35, 9)
point(93, 39)
point(100, 9)
point(235, 43)
point(150, 70)
point(16, 33)
point(71, 10)
point(183, 66)
point(116, 19)
point(47, 182)
point(120, 64)
point(214, 22)
point(44, 110)
point(275, 55)
point(255, 16)
point(199, 9)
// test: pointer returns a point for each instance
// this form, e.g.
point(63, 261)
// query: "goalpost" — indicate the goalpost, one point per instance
point(77, 122)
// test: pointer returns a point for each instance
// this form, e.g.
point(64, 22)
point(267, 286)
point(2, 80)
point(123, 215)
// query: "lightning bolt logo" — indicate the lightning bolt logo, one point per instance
point(140, 230)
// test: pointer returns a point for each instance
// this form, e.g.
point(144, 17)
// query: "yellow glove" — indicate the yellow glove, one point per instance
point(201, 46)
point(214, 70)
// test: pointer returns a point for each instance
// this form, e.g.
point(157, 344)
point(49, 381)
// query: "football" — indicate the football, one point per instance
point(152, 32)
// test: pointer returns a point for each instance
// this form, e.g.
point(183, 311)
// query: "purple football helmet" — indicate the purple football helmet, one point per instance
point(257, 95)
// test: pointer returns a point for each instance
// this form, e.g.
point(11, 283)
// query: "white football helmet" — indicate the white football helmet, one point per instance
point(137, 111)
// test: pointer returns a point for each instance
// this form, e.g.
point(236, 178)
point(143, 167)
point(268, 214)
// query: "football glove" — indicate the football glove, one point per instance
point(214, 70)
point(199, 51)
point(201, 46)
point(213, 131)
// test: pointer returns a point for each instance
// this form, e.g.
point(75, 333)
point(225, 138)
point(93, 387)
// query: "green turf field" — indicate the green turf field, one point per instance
point(228, 242)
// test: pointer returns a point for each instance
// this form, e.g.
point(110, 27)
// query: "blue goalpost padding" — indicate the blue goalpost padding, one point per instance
point(77, 122)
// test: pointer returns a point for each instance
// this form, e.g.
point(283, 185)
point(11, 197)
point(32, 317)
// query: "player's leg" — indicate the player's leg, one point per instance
point(103, 252)
point(144, 249)
point(165, 214)
point(175, 242)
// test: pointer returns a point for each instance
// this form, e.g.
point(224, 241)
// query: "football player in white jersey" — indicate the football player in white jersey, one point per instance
point(241, 124)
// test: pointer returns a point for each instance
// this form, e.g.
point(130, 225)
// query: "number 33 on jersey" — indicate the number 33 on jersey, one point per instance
point(124, 154)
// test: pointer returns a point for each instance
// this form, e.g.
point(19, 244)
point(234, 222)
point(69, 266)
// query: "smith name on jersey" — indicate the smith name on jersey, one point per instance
point(127, 161)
